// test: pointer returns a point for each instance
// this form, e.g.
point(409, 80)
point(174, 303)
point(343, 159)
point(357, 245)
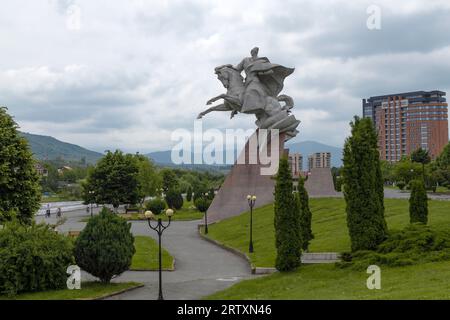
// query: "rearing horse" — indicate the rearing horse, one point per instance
point(271, 115)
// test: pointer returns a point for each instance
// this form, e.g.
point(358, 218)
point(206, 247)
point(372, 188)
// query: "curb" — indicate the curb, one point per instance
point(253, 269)
point(312, 258)
point(116, 293)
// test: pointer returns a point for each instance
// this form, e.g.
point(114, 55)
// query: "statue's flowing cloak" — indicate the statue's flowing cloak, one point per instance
point(258, 86)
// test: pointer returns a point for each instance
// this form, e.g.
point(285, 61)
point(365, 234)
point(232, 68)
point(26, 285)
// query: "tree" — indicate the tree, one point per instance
point(148, 177)
point(169, 179)
point(305, 214)
point(20, 193)
point(156, 205)
point(418, 202)
point(174, 199)
point(405, 170)
point(105, 247)
point(114, 180)
point(202, 204)
point(421, 156)
point(286, 221)
point(189, 194)
point(363, 187)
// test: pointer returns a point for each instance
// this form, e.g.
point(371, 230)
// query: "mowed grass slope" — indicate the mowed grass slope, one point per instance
point(328, 224)
point(326, 282)
point(146, 256)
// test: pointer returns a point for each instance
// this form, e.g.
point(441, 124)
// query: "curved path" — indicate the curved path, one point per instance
point(201, 268)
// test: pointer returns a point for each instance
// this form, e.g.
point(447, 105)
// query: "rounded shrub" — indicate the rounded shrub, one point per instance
point(105, 247)
point(33, 258)
point(174, 199)
point(401, 185)
point(202, 204)
point(156, 205)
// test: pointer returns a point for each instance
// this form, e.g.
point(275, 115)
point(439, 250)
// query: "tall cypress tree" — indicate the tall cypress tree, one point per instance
point(20, 193)
point(418, 202)
point(363, 187)
point(302, 198)
point(286, 221)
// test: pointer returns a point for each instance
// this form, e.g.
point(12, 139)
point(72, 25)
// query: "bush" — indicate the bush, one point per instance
point(286, 221)
point(174, 199)
point(156, 205)
point(401, 185)
point(418, 202)
point(202, 204)
point(33, 258)
point(415, 244)
point(105, 247)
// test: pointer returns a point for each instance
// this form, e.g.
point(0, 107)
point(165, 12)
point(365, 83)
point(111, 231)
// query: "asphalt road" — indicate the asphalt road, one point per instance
point(201, 268)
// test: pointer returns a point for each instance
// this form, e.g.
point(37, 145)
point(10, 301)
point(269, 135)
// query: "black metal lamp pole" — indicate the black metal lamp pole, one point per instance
point(251, 202)
point(159, 228)
point(91, 193)
point(206, 219)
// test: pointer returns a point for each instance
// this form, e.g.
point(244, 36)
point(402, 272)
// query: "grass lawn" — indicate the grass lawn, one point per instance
point(423, 281)
point(328, 225)
point(88, 291)
point(146, 256)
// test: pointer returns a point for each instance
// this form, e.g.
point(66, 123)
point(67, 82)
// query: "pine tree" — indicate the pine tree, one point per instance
point(286, 221)
point(418, 202)
point(363, 187)
point(20, 193)
point(305, 214)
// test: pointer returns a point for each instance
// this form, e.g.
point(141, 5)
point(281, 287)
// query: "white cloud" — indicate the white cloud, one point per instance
point(135, 71)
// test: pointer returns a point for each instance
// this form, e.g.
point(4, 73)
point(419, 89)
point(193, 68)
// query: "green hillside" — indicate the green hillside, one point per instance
point(45, 147)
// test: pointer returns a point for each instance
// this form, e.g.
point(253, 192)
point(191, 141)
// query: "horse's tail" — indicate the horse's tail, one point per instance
point(289, 102)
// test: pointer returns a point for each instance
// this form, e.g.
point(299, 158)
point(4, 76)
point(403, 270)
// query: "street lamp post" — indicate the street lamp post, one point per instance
point(90, 199)
point(159, 228)
point(251, 202)
point(206, 218)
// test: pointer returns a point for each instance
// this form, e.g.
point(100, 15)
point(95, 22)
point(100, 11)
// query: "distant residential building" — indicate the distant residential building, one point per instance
point(295, 163)
point(319, 160)
point(41, 170)
point(64, 168)
point(408, 121)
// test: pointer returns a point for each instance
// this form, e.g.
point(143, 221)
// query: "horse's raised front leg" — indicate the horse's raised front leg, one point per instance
point(219, 107)
point(220, 96)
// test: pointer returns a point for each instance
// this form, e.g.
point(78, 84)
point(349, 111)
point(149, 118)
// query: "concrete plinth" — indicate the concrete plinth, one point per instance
point(244, 178)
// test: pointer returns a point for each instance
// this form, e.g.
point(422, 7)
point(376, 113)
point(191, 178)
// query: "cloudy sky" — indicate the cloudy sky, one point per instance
point(125, 74)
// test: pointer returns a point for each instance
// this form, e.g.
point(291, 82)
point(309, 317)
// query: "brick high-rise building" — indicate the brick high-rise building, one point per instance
point(319, 160)
point(296, 163)
point(408, 121)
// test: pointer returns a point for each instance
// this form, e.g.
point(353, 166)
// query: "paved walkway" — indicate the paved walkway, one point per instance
point(201, 268)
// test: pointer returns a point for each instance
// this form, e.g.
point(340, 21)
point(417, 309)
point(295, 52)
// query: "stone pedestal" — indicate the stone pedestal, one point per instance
point(244, 178)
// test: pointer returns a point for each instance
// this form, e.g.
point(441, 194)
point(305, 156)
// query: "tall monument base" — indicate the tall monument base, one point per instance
point(244, 179)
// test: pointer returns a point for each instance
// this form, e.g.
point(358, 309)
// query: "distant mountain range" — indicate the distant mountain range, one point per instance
point(49, 148)
point(46, 147)
point(305, 148)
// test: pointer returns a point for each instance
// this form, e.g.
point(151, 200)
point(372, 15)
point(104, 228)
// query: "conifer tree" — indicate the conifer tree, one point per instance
point(305, 214)
point(286, 221)
point(418, 202)
point(363, 187)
